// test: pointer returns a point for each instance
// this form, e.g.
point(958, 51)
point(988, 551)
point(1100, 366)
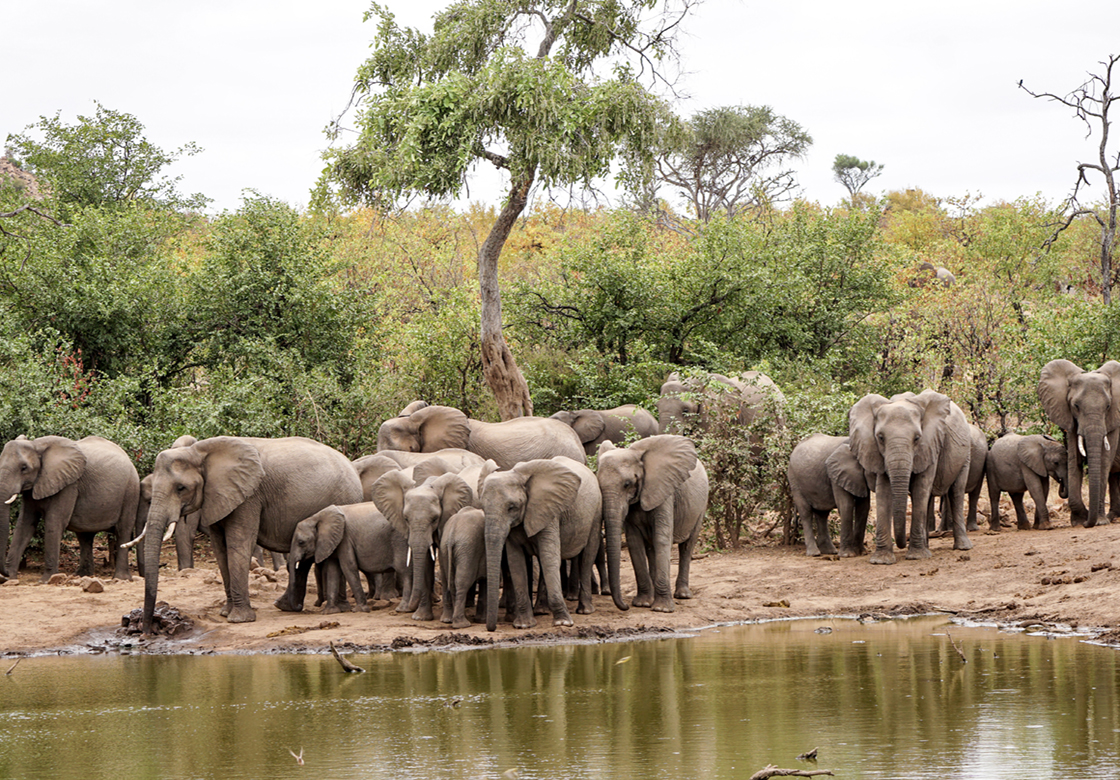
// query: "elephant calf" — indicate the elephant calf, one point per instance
point(462, 563)
point(824, 475)
point(352, 539)
point(1026, 463)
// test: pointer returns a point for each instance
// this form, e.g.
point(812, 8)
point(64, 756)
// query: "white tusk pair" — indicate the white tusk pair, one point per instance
point(136, 541)
point(13, 498)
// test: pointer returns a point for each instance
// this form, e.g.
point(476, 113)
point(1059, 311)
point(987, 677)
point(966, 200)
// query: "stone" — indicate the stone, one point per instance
point(57, 579)
point(92, 585)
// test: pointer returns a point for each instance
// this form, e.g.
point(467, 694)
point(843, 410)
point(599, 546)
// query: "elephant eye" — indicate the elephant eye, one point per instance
point(180, 488)
point(512, 507)
point(917, 437)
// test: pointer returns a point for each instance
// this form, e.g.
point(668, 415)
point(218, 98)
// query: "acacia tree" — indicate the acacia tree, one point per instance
point(517, 84)
point(732, 159)
point(854, 173)
point(1092, 102)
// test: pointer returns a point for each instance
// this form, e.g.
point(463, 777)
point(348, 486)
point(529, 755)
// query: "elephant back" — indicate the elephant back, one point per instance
point(524, 438)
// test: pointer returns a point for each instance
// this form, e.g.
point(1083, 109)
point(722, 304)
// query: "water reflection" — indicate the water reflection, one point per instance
point(889, 700)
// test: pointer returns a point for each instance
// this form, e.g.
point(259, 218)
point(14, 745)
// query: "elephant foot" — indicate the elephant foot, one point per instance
point(283, 605)
point(1023, 526)
point(972, 526)
point(663, 605)
point(964, 543)
point(828, 550)
point(812, 552)
point(938, 533)
point(402, 607)
point(331, 609)
point(684, 592)
point(242, 615)
point(918, 553)
point(585, 609)
point(563, 622)
point(461, 623)
point(642, 600)
point(47, 576)
point(850, 552)
point(423, 614)
point(364, 608)
point(541, 609)
point(1106, 520)
point(226, 609)
point(1043, 526)
point(885, 557)
point(528, 622)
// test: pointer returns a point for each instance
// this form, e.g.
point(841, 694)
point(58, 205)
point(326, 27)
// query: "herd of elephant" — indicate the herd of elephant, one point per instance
point(922, 447)
point(485, 498)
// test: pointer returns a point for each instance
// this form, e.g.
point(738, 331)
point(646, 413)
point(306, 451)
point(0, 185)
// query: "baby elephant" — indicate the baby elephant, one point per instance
point(1021, 463)
point(352, 539)
point(824, 475)
point(462, 563)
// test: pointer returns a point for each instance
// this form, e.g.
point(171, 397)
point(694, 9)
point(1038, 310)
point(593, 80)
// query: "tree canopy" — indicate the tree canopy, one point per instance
point(854, 173)
point(547, 92)
point(732, 159)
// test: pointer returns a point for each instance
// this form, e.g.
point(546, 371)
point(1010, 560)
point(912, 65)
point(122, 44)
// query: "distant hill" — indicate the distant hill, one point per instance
point(22, 179)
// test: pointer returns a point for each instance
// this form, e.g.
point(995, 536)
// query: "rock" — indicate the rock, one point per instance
point(13, 581)
point(92, 585)
point(58, 579)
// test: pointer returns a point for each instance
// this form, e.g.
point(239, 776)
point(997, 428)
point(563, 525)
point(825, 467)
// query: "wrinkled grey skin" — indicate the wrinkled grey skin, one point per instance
point(349, 540)
point(657, 489)
point(462, 563)
point(614, 425)
point(916, 447)
point(185, 530)
point(1086, 406)
point(82, 486)
point(434, 428)
point(1018, 464)
point(824, 475)
point(691, 401)
point(418, 509)
point(552, 509)
point(249, 491)
point(972, 488)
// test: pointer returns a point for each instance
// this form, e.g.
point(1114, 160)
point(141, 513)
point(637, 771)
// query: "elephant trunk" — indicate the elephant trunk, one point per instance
point(298, 570)
point(900, 469)
point(1094, 442)
point(157, 524)
point(420, 550)
point(614, 510)
point(495, 545)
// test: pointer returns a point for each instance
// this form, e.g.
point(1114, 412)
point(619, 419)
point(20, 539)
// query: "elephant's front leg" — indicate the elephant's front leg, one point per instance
point(548, 553)
point(662, 550)
point(921, 503)
point(956, 498)
point(56, 517)
point(348, 564)
point(218, 543)
point(884, 522)
point(519, 581)
point(1039, 488)
point(1078, 512)
point(637, 544)
point(240, 538)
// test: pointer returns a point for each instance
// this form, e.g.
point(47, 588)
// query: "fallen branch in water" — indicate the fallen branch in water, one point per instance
point(773, 771)
point(957, 648)
point(13, 666)
point(346, 665)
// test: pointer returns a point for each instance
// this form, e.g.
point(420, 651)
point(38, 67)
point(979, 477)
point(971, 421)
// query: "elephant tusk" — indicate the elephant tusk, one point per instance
point(432, 550)
point(13, 498)
point(170, 530)
point(1081, 446)
point(135, 541)
point(408, 560)
point(1107, 446)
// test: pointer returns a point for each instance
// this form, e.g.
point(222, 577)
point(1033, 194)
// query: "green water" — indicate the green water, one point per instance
point(891, 700)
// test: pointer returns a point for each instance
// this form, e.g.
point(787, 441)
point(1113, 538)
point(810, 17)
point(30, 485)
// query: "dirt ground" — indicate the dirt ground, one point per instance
point(1067, 575)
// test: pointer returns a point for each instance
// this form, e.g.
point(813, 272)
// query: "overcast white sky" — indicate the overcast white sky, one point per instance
point(927, 88)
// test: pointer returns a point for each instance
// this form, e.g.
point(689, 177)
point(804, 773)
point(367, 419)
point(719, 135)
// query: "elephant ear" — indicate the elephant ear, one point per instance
point(328, 532)
point(861, 433)
point(412, 408)
point(370, 468)
point(146, 489)
point(1053, 391)
point(430, 467)
point(550, 488)
point(62, 463)
point(588, 425)
point(606, 445)
point(232, 471)
point(844, 470)
point(936, 408)
point(1030, 451)
point(1111, 369)
point(667, 460)
point(388, 495)
point(185, 440)
point(454, 494)
point(441, 427)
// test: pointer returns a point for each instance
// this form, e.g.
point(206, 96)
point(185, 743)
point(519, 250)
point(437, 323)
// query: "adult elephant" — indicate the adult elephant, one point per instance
point(434, 428)
point(594, 426)
point(248, 491)
point(658, 490)
point(972, 488)
point(552, 509)
point(691, 401)
point(185, 530)
point(1086, 406)
point(917, 447)
point(82, 486)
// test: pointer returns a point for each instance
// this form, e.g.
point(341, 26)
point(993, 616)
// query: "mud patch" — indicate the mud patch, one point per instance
point(167, 621)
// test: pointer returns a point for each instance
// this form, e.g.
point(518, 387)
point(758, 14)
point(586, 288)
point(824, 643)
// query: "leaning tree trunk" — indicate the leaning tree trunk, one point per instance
point(498, 365)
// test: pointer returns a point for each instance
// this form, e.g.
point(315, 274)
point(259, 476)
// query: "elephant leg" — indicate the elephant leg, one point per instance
point(662, 547)
point(601, 568)
point(993, 502)
point(586, 560)
point(1020, 511)
point(956, 496)
point(218, 542)
point(970, 523)
point(851, 540)
point(541, 605)
point(805, 512)
point(240, 537)
point(351, 571)
point(1078, 512)
point(519, 580)
point(332, 579)
point(921, 502)
point(548, 553)
point(636, 544)
point(21, 537)
point(85, 553)
point(823, 537)
point(684, 562)
point(1041, 510)
point(884, 522)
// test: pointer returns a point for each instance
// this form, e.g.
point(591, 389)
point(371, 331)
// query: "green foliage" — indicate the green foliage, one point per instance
point(103, 160)
point(854, 173)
